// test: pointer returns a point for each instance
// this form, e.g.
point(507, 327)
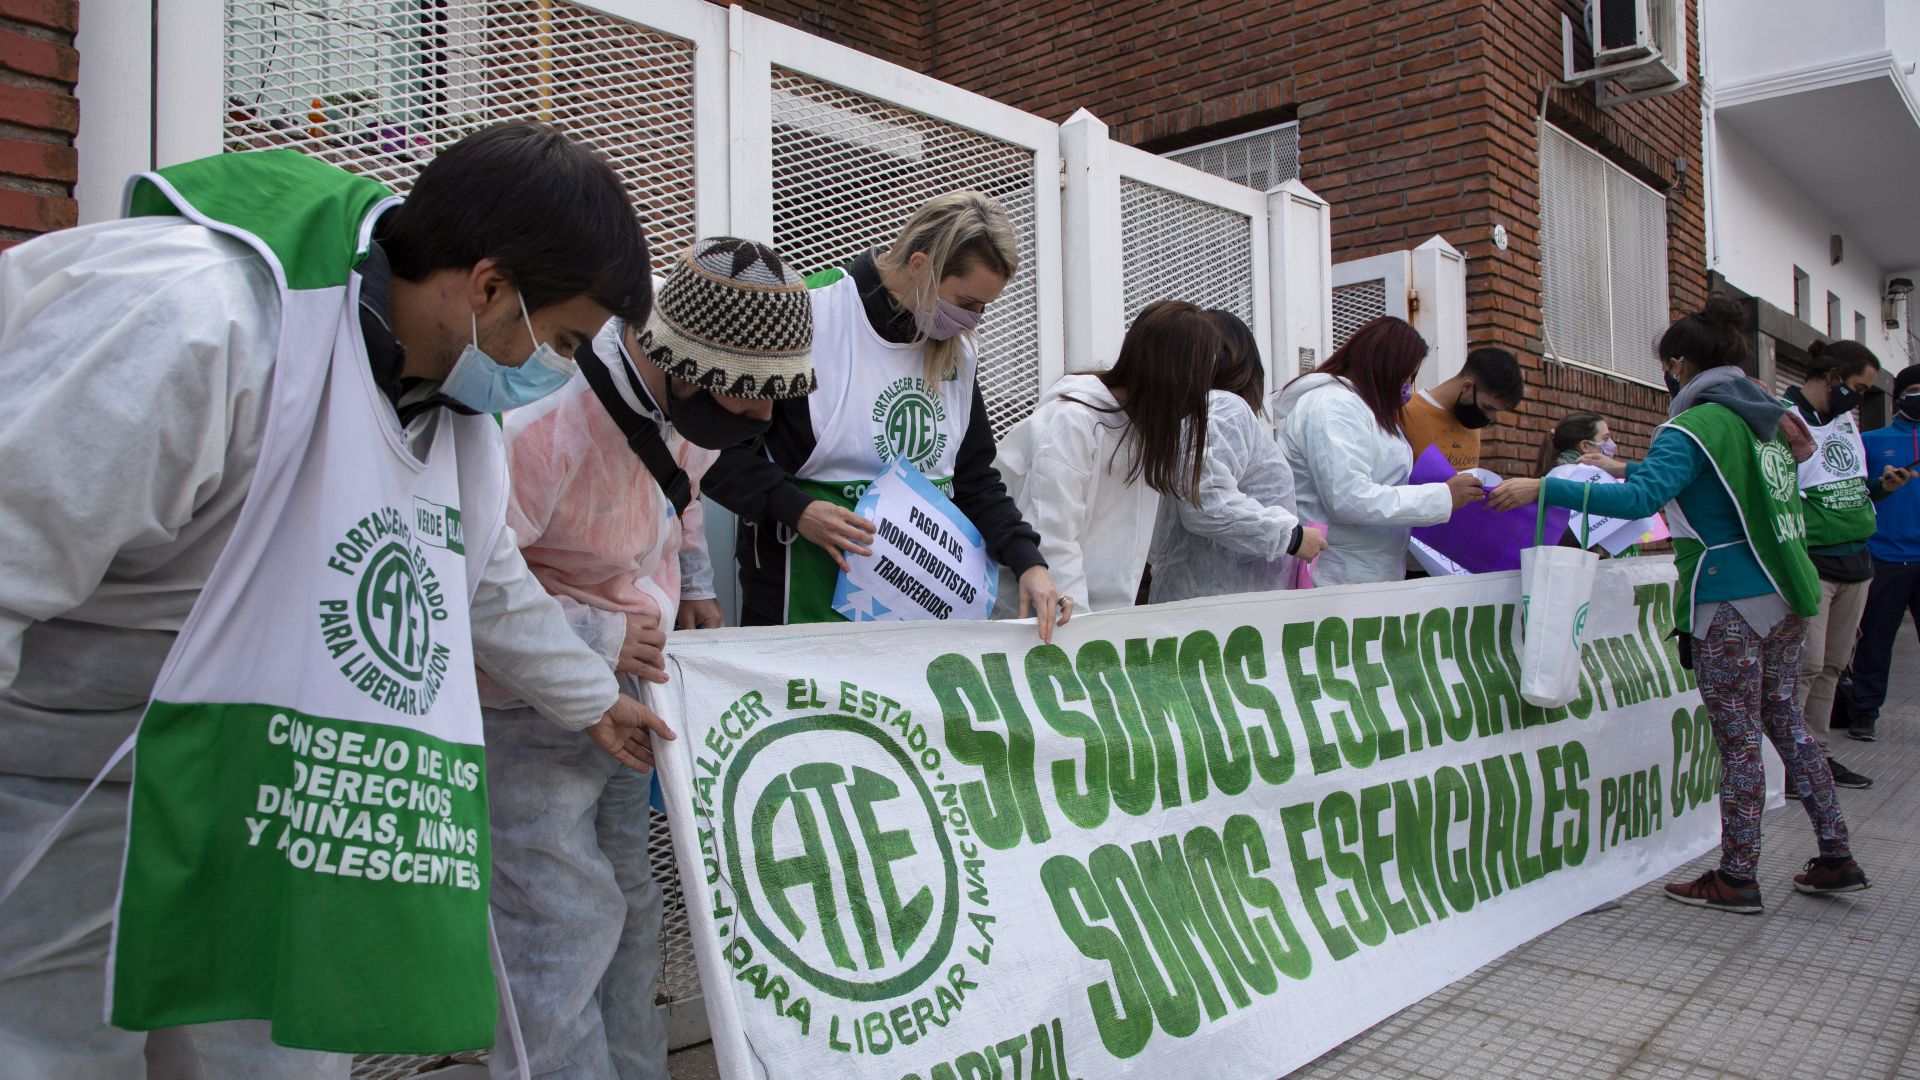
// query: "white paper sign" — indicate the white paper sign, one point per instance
point(1614, 535)
point(928, 560)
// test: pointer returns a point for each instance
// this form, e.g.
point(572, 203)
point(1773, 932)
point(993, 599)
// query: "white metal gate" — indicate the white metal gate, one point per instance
point(1426, 286)
point(719, 121)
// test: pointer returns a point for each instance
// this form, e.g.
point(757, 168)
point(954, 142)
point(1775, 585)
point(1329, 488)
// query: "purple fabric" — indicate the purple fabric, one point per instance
point(1481, 540)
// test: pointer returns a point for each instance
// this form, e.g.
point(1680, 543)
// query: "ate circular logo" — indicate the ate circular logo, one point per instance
point(393, 614)
point(840, 856)
point(907, 419)
point(1779, 471)
point(378, 627)
point(1837, 454)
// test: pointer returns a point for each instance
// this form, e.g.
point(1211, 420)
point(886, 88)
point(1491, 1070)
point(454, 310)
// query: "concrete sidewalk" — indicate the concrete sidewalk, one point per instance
point(1816, 987)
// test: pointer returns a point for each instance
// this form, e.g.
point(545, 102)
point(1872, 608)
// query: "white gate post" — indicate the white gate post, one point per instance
point(749, 129)
point(1090, 239)
point(1300, 247)
point(1440, 282)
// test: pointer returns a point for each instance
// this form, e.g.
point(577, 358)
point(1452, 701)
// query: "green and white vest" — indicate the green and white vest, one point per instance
point(1833, 483)
point(1761, 479)
point(308, 836)
point(873, 404)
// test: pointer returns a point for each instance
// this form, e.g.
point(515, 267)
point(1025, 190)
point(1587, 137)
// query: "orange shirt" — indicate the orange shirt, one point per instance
point(1430, 425)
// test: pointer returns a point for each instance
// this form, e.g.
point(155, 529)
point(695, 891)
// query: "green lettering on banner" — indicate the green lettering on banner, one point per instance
point(1401, 650)
point(1371, 677)
point(1246, 664)
point(1296, 639)
point(1203, 679)
point(1130, 760)
point(1051, 680)
point(1154, 672)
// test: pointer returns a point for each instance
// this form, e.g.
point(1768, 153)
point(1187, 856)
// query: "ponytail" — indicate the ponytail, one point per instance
point(1712, 337)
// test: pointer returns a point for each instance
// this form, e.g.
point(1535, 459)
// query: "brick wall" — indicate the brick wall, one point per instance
point(900, 32)
point(1416, 117)
point(38, 116)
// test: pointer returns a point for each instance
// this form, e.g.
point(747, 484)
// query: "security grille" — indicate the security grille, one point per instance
point(1179, 248)
point(1356, 305)
point(848, 169)
point(1603, 257)
point(1260, 159)
point(379, 86)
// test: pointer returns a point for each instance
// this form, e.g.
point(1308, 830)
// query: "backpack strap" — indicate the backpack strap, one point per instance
point(643, 434)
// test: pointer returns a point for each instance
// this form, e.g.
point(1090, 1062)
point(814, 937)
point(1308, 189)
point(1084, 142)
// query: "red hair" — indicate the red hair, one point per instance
point(1379, 359)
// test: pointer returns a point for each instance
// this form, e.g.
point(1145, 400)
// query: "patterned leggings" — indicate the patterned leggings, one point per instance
point(1748, 683)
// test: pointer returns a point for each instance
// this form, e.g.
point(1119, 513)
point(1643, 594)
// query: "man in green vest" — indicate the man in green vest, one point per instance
point(154, 369)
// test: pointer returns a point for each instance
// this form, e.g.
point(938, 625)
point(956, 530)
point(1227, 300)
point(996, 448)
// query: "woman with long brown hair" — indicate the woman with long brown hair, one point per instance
point(1089, 467)
point(1342, 428)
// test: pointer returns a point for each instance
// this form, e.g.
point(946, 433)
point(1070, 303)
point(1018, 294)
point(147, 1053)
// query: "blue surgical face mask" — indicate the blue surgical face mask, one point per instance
point(483, 385)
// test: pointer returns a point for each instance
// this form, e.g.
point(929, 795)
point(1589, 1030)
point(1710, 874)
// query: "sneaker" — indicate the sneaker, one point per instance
point(1861, 729)
point(1847, 778)
point(1713, 890)
point(1825, 876)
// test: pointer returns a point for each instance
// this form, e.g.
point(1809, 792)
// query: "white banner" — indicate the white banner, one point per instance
point(1246, 828)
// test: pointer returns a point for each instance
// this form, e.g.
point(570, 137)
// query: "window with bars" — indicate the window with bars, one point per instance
point(1603, 251)
point(1260, 160)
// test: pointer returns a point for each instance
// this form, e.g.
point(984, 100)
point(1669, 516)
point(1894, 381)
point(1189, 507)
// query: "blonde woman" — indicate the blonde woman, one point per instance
point(896, 350)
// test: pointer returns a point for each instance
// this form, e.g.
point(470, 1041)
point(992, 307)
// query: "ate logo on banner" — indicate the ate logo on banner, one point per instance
point(851, 866)
point(380, 627)
point(907, 419)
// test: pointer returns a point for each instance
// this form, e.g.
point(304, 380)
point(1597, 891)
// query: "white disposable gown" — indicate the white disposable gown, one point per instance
point(1066, 467)
point(1351, 475)
point(1235, 539)
point(136, 357)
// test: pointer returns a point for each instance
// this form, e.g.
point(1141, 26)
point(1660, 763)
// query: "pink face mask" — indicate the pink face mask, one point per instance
point(946, 320)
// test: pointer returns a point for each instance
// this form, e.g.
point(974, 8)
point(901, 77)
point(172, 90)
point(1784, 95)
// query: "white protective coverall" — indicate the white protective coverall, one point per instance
point(137, 356)
point(1236, 539)
point(1066, 467)
point(1352, 475)
point(574, 899)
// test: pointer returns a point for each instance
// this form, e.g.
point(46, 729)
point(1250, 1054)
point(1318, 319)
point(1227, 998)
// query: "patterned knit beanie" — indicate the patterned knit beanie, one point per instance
point(733, 319)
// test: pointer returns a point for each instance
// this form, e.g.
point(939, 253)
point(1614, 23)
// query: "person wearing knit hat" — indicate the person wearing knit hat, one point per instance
point(1891, 453)
point(605, 503)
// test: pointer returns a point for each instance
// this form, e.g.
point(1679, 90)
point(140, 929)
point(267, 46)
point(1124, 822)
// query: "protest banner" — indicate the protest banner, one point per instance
point(928, 561)
point(1212, 838)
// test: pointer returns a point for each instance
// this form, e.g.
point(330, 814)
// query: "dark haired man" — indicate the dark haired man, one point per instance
point(254, 505)
point(1451, 414)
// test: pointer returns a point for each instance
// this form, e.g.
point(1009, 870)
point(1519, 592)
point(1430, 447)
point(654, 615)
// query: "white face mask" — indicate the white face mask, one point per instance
point(485, 386)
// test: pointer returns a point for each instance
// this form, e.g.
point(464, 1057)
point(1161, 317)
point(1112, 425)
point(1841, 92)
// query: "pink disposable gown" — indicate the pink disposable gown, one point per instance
point(592, 522)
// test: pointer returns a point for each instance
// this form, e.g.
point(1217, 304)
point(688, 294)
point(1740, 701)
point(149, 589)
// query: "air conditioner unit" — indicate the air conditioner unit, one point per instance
point(1639, 48)
point(1620, 30)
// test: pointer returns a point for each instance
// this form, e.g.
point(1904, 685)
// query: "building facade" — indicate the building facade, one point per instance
point(1412, 119)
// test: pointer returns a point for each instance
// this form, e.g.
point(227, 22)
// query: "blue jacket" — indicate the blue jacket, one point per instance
point(1676, 470)
point(1897, 444)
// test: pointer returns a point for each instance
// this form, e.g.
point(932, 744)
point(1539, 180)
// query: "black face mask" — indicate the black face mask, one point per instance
point(1471, 416)
point(703, 421)
point(1842, 399)
point(1673, 384)
point(1909, 407)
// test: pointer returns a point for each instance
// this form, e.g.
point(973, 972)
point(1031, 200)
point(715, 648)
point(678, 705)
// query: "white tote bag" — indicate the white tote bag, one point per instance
point(1556, 584)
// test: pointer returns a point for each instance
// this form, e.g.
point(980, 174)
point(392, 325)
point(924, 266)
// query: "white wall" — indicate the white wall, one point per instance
point(1749, 39)
point(1767, 226)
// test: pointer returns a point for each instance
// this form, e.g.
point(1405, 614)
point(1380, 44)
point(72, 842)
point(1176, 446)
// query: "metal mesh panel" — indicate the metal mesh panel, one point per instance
point(1574, 250)
point(1261, 160)
point(379, 86)
point(1637, 251)
point(849, 169)
point(1174, 247)
point(1356, 305)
